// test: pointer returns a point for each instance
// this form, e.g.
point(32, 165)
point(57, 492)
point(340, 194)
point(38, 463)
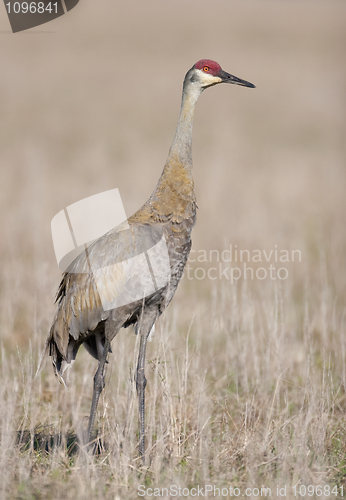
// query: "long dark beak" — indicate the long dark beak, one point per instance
point(227, 78)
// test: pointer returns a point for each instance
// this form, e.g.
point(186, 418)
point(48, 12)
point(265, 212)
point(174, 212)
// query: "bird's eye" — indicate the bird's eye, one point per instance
point(206, 69)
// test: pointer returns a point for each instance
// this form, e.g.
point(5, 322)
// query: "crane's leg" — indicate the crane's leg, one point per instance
point(141, 381)
point(99, 383)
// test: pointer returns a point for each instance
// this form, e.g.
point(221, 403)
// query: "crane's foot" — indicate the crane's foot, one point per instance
point(99, 384)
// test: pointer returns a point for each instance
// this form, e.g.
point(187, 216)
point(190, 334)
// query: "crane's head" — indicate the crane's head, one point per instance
point(206, 73)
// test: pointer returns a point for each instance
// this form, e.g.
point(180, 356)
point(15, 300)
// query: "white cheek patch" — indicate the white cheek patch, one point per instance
point(208, 79)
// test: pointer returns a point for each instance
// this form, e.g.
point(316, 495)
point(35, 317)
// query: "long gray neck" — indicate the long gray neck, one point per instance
point(181, 148)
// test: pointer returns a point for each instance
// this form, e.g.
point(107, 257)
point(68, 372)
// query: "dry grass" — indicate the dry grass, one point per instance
point(246, 381)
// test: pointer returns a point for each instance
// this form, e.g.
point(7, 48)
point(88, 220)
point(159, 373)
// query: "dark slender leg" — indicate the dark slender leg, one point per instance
point(99, 383)
point(141, 382)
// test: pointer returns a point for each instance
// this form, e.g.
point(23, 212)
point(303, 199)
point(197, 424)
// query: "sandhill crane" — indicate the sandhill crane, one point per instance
point(80, 317)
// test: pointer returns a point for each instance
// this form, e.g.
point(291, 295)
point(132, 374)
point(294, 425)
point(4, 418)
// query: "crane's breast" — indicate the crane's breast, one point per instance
point(178, 240)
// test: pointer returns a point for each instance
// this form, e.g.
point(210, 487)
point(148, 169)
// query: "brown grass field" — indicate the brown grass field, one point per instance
point(246, 380)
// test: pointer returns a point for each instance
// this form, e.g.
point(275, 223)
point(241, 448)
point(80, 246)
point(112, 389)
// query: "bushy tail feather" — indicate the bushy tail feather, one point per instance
point(60, 363)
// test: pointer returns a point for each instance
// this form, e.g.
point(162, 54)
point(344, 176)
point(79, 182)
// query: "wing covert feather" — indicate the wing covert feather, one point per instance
point(100, 275)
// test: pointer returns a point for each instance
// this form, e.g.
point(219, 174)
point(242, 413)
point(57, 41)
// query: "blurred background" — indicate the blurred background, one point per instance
point(90, 102)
